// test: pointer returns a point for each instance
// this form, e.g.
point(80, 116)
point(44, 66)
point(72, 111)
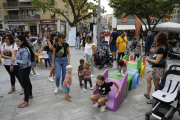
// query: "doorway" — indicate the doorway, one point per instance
point(33, 30)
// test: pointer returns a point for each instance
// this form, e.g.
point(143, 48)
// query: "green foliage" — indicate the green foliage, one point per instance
point(144, 9)
point(79, 8)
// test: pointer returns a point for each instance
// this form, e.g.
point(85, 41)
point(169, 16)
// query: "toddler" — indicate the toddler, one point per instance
point(46, 57)
point(104, 89)
point(80, 71)
point(67, 83)
point(127, 51)
point(37, 55)
point(137, 51)
point(87, 75)
point(122, 65)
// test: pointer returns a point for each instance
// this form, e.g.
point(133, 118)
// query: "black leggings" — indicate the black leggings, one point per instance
point(85, 82)
point(26, 83)
point(119, 56)
point(47, 60)
point(15, 73)
point(136, 55)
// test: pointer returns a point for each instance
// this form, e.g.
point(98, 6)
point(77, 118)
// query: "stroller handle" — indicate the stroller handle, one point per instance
point(175, 66)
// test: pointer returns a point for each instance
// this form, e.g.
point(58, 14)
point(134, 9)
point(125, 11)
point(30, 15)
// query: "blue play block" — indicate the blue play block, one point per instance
point(135, 74)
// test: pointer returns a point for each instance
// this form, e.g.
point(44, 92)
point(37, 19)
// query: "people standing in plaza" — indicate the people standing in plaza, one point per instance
point(8, 50)
point(121, 44)
point(149, 42)
point(24, 57)
point(39, 45)
point(159, 64)
point(51, 42)
point(90, 51)
point(140, 40)
point(61, 58)
point(27, 34)
point(46, 57)
point(113, 38)
point(41, 36)
point(78, 40)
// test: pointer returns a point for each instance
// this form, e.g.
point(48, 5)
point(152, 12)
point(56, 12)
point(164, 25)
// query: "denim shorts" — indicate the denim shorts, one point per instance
point(65, 89)
point(122, 67)
point(107, 96)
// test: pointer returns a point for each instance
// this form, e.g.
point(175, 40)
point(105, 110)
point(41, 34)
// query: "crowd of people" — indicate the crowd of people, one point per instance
point(21, 57)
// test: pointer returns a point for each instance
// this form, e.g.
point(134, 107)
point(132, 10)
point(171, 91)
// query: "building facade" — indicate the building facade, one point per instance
point(21, 15)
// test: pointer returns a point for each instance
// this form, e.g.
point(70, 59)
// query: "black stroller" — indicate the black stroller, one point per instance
point(166, 93)
point(103, 56)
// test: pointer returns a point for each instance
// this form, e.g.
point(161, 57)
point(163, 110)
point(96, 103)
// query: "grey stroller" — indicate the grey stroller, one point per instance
point(166, 93)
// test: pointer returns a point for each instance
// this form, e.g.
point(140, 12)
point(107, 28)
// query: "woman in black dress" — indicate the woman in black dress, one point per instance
point(84, 38)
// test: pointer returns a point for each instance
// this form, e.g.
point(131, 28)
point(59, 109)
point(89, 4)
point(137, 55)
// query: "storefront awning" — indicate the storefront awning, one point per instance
point(126, 27)
point(144, 28)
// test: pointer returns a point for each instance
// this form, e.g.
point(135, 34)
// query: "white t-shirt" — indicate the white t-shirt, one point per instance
point(88, 48)
point(9, 50)
point(45, 55)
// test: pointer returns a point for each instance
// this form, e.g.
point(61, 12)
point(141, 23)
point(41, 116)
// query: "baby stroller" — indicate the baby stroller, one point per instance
point(103, 56)
point(166, 93)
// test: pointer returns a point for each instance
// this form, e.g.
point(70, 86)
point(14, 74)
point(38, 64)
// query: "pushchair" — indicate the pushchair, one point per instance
point(166, 93)
point(103, 56)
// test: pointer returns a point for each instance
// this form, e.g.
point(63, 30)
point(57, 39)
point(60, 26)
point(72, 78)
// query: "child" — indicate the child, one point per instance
point(37, 55)
point(80, 71)
point(87, 75)
point(46, 57)
point(67, 83)
point(122, 65)
point(137, 51)
point(127, 51)
point(103, 96)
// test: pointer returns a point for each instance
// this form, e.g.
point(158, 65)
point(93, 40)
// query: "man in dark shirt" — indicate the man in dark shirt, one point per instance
point(150, 40)
point(112, 43)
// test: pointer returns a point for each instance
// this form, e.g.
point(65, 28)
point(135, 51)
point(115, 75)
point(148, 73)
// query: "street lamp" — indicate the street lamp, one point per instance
point(98, 22)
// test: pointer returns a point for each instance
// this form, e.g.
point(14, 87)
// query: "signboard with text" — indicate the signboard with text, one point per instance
point(72, 36)
point(47, 21)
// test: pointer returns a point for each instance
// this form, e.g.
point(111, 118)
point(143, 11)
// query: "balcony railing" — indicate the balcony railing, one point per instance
point(22, 17)
point(17, 4)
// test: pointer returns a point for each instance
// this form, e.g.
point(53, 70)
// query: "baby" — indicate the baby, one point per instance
point(67, 83)
point(122, 65)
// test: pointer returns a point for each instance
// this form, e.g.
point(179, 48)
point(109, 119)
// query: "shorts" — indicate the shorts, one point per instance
point(81, 78)
point(122, 67)
point(113, 48)
point(65, 89)
point(157, 72)
point(107, 96)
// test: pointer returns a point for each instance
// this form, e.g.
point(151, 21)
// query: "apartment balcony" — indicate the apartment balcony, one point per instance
point(22, 17)
point(12, 5)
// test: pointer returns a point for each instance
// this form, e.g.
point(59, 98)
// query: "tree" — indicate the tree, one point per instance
point(79, 8)
point(144, 9)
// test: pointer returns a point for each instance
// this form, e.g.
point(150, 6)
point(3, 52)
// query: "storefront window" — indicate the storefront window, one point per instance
point(48, 27)
point(0, 25)
point(63, 29)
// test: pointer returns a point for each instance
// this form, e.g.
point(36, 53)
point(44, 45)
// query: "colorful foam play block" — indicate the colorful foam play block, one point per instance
point(135, 74)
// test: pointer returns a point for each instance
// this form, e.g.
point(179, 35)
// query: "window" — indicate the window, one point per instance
point(43, 11)
point(0, 16)
point(52, 15)
point(31, 12)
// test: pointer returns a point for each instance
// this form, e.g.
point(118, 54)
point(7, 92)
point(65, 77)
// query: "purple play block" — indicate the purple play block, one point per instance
point(115, 99)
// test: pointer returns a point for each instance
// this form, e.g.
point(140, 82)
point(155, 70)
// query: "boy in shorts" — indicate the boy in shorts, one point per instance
point(103, 96)
point(122, 65)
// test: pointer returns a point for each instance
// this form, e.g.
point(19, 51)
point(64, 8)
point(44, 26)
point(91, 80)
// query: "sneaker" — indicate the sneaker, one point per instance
point(50, 68)
point(36, 74)
point(56, 90)
point(92, 75)
point(103, 108)
point(96, 105)
point(123, 74)
point(119, 74)
point(82, 84)
point(85, 89)
point(91, 88)
point(50, 79)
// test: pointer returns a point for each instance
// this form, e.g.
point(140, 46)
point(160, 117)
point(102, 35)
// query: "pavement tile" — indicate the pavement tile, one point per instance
point(7, 115)
point(56, 115)
point(1, 105)
point(102, 116)
point(43, 99)
point(75, 113)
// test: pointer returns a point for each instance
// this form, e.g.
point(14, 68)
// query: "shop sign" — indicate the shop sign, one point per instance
point(48, 21)
point(16, 23)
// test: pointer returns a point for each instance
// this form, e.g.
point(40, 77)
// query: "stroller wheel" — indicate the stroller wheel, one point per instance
point(111, 65)
point(147, 118)
point(95, 65)
point(154, 103)
point(100, 67)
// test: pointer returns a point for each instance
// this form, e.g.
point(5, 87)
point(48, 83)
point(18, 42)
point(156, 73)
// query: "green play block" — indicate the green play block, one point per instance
point(129, 81)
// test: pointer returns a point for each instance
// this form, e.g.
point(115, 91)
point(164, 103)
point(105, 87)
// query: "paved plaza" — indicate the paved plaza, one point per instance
point(49, 106)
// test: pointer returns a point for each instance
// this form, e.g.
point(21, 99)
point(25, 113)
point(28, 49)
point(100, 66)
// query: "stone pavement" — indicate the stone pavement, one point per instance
point(49, 106)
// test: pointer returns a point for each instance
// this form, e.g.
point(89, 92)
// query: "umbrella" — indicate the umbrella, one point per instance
point(168, 26)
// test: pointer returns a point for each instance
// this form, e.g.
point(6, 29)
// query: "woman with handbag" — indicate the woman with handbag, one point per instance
point(158, 61)
point(61, 58)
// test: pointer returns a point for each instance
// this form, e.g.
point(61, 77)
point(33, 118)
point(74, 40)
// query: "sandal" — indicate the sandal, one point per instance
point(150, 101)
point(68, 99)
point(147, 96)
point(69, 96)
point(24, 104)
point(30, 97)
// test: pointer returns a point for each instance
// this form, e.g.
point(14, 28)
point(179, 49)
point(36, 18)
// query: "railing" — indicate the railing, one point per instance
point(17, 4)
point(22, 17)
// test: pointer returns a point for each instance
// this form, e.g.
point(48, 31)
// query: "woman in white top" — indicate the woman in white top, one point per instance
point(90, 50)
point(46, 57)
point(9, 49)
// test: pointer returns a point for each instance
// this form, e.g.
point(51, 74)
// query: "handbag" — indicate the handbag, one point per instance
point(154, 55)
point(61, 52)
